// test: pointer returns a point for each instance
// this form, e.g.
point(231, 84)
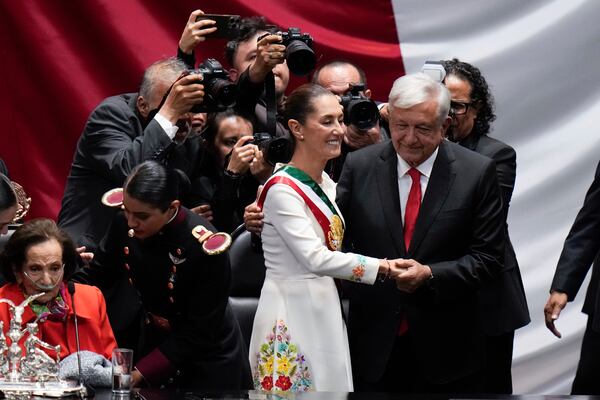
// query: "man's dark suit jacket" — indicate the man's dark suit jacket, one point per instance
point(459, 233)
point(113, 142)
point(580, 248)
point(503, 305)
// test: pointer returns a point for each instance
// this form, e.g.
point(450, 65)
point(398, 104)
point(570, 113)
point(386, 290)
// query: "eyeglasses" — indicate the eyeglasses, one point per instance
point(459, 108)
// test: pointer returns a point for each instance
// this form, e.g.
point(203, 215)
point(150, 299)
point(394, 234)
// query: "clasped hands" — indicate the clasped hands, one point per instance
point(409, 274)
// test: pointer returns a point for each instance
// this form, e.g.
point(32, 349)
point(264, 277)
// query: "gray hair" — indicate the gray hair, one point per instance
point(413, 89)
point(165, 70)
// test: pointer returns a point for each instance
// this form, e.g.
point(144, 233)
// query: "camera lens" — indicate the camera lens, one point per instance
point(300, 58)
point(223, 92)
point(363, 114)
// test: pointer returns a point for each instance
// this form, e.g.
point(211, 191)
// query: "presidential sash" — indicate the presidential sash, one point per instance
point(317, 201)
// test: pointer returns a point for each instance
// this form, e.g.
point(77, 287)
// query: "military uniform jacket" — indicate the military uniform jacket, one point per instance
point(168, 294)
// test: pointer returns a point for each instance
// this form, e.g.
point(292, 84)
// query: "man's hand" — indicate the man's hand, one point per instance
point(268, 54)
point(242, 155)
point(556, 302)
point(357, 139)
point(253, 218)
point(204, 211)
point(194, 32)
point(384, 112)
point(185, 93)
point(409, 274)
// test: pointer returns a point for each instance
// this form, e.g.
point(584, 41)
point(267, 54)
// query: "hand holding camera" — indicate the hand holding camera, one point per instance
point(269, 53)
point(195, 31)
point(186, 92)
point(242, 155)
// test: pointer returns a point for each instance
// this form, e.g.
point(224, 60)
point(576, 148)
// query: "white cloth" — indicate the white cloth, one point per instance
point(298, 331)
point(95, 369)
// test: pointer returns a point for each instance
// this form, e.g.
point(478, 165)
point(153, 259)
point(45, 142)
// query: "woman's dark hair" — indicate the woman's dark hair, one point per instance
point(213, 123)
point(8, 198)
point(300, 102)
point(480, 93)
point(29, 234)
point(154, 184)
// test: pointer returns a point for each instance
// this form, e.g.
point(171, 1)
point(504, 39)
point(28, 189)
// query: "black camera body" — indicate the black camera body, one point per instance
point(219, 92)
point(359, 110)
point(275, 149)
point(299, 54)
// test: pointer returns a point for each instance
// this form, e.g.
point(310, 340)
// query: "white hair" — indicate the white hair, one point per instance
point(413, 89)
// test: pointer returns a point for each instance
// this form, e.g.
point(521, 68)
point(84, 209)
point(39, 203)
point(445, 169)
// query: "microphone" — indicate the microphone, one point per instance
point(90, 392)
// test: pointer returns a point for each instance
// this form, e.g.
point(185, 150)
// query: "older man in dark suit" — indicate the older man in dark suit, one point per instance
point(122, 132)
point(438, 206)
point(581, 248)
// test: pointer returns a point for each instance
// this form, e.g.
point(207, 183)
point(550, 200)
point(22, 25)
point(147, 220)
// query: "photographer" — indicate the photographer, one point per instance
point(233, 170)
point(337, 77)
point(252, 60)
point(123, 131)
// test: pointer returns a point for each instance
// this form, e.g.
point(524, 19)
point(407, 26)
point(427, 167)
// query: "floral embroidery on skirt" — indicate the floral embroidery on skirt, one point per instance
point(279, 366)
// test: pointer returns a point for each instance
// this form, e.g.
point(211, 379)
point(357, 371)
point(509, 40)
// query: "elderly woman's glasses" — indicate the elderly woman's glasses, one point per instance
point(459, 107)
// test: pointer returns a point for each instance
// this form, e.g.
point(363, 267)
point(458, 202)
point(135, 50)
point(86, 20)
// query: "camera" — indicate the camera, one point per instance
point(219, 92)
point(275, 149)
point(228, 26)
point(359, 110)
point(299, 54)
point(435, 69)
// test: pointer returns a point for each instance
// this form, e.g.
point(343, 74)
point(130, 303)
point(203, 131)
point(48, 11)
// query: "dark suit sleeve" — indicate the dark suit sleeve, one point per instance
point(506, 169)
point(102, 271)
point(248, 95)
point(484, 256)
point(343, 195)
point(581, 245)
point(113, 148)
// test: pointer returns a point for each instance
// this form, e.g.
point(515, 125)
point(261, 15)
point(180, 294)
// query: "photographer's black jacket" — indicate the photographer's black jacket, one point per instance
point(115, 139)
point(252, 105)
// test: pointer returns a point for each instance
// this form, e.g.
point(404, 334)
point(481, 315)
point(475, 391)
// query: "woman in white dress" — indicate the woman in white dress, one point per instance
point(299, 340)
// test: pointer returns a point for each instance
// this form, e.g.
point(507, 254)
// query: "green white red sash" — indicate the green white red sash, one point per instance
point(324, 211)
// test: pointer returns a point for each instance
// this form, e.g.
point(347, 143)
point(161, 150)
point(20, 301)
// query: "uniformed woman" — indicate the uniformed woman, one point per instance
point(167, 297)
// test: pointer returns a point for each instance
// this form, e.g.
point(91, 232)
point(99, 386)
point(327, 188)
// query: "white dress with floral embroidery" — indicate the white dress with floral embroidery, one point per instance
point(299, 341)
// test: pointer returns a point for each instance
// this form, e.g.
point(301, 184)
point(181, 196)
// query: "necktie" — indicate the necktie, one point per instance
point(412, 206)
point(410, 218)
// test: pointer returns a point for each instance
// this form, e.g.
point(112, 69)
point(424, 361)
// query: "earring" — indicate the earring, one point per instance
point(301, 137)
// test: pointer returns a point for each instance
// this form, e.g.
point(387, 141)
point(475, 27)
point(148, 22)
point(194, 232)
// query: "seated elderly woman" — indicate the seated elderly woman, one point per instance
point(39, 258)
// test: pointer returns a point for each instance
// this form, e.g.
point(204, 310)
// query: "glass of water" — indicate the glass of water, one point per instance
point(122, 364)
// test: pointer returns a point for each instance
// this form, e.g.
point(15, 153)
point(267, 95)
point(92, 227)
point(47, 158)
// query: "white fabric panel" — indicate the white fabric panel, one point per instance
point(542, 61)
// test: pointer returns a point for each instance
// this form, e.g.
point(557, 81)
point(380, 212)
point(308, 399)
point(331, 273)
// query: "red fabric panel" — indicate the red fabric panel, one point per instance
point(60, 58)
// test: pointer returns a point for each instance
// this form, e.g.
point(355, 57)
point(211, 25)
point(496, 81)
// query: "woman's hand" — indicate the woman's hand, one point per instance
point(242, 155)
point(259, 168)
point(253, 218)
point(136, 378)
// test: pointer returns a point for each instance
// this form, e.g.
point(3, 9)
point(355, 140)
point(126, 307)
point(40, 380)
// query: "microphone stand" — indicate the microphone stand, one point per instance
point(89, 391)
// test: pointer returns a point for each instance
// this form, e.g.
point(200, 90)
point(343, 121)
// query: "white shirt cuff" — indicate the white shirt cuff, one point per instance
point(168, 127)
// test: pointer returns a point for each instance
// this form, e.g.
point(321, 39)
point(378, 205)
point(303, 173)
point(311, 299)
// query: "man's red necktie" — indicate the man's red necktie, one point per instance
point(413, 204)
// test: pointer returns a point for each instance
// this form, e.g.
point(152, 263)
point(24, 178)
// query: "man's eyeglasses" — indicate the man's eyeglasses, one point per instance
point(459, 108)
